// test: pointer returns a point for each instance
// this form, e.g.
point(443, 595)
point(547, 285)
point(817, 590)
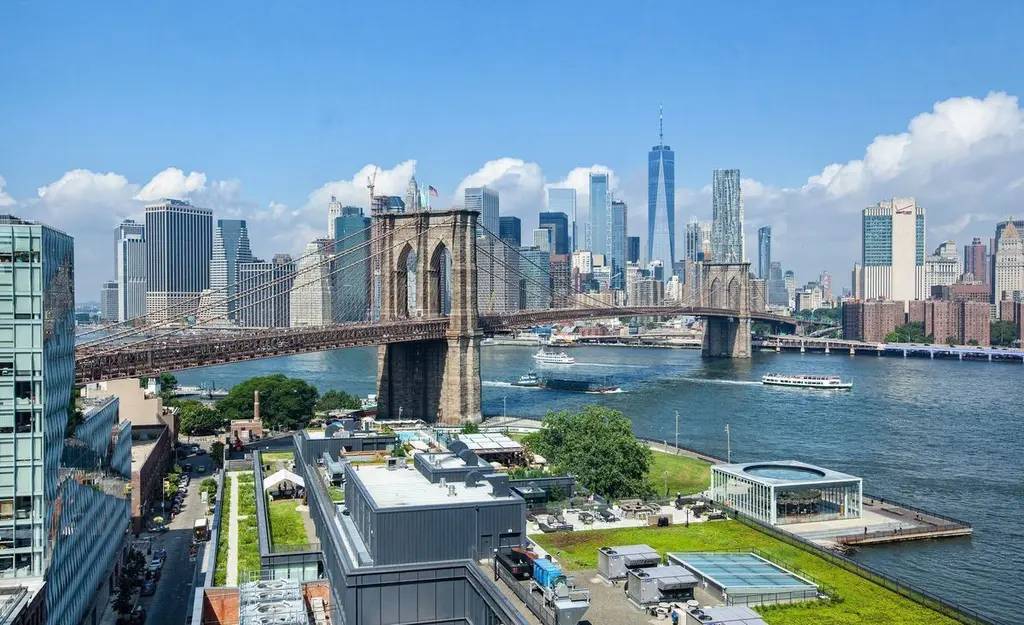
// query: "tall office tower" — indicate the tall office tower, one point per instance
point(764, 251)
point(633, 249)
point(497, 276)
point(789, 279)
point(856, 280)
point(413, 199)
point(893, 250)
point(727, 241)
point(108, 301)
point(130, 270)
point(179, 246)
point(561, 280)
point(312, 295)
point(62, 501)
point(600, 207)
point(561, 200)
point(825, 280)
point(510, 230)
point(230, 247)
point(698, 240)
point(558, 224)
point(484, 201)
point(333, 212)
point(1009, 266)
point(777, 293)
point(943, 268)
point(661, 201)
point(535, 286)
point(993, 247)
point(542, 239)
point(264, 289)
point(975, 261)
point(617, 243)
point(350, 271)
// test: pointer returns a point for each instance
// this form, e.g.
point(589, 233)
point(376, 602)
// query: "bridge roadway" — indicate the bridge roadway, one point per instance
point(188, 352)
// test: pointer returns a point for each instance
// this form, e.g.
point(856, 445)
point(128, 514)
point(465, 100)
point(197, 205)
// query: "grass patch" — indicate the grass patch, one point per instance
point(337, 492)
point(685, 475)
point(220, 573)
point(272, 456)
point(862, 601)
point(246, 478)
point(247, 499)
point(286, 526)
point(248, 547)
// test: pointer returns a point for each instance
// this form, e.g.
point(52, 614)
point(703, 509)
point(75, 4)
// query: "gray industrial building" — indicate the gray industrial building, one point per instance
point(402, 546)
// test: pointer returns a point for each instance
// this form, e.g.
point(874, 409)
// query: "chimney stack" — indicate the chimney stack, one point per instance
point(255, 405)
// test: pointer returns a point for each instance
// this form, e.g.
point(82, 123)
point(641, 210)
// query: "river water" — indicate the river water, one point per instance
point(943, 435)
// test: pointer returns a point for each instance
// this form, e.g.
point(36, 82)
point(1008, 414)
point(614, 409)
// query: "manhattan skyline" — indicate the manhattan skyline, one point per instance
point(271, 148)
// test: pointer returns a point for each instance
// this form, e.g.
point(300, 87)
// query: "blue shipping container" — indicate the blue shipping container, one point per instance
point(545, 572)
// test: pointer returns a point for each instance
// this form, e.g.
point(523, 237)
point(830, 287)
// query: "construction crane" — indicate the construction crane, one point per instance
point(371, 184)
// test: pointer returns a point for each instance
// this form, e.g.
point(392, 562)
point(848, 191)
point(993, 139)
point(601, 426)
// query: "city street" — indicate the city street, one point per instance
point(167, 606)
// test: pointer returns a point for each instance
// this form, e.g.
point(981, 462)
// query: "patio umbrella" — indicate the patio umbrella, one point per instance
point(159, 520)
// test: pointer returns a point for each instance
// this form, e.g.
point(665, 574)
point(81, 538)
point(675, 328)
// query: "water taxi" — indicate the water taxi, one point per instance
point(529, 379)
point(827, 382)
point(554, 358)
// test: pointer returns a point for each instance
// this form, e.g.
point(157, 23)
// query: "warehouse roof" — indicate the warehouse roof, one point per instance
point(405, 486)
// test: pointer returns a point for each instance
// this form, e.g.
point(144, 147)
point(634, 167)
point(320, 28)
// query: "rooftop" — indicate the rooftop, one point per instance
point(16, 594)
point(487, 442)
point(91, 406)
point(784, 473)
point(405, 486)
point(741, 572)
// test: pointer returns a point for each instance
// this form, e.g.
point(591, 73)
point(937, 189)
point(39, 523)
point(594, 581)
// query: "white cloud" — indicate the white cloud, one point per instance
point(173, 183)
point(5, 198)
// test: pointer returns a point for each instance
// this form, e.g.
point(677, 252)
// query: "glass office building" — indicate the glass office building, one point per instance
point(511, 231)
point(484, 201)
point(787, 491)
point(352, 267)
point(764, 252)
point(727, 217)
point(600, 208)
point(558, 225)
point(563, 200)
point(230, 248)
point(617, 244)
point(661, 204)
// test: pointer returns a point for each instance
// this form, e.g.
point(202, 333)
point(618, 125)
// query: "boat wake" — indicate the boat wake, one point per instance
point(500, 384)
point(615, 392)
point(608, 364)
point(726, 382)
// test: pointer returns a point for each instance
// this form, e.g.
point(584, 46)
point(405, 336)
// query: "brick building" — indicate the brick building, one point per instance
point(962, 321)
point(871, 321)
point(961, 293)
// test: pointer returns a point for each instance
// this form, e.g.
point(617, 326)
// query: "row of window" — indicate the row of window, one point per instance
point(20, 257)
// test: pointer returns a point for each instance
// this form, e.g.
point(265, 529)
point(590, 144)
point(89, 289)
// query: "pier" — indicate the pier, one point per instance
point(803, 344)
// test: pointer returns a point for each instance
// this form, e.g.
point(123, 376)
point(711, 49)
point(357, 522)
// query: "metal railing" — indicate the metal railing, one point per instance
point(950, 520)
point(532, 603)
point(960, 613)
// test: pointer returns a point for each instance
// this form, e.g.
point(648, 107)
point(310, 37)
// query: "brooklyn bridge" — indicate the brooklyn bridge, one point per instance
point(428, 337)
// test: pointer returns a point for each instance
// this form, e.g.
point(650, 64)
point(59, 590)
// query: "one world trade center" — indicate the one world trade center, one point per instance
point(661, 202)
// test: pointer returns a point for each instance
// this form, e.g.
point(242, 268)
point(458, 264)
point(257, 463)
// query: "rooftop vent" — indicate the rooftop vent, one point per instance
point(457, 447)
point(473, 478)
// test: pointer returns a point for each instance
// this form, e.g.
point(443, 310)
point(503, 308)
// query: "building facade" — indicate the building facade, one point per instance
point(893, 250)
point(727, 241)
point(265, 292)
point(698, 240)
point(563, 200)
point(350, 272)
point(230, 247)
point(179, 246)
point(633, 250)
point(130, 269)
point(944, 267)
point(561, 281)
point(312, 295)
point(511, 231)
point(1009, 264)
point(486, 202)
point(600, 210)
point(857, 282)
point(871, 321)
point(558, 224)
point(976, 261)
point(661, 203)
point(542, 239)
point(959, 322)
point(497, 276)
point(535, 286)
point(108, 300)
point(617, 230)
point(777, 293)
point(764, 251)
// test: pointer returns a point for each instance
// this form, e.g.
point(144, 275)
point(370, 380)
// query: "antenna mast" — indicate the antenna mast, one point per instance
point(661, 125)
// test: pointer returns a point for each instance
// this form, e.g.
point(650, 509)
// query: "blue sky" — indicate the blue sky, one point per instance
point(284, 100)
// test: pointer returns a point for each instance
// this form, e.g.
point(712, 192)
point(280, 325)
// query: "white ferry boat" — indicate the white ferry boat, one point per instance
point(554, 358)
point(827, 382)
point(487, 341)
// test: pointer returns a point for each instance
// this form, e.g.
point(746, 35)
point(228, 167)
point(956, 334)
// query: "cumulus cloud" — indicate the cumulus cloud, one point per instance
point(172, 183)
point(5, 198)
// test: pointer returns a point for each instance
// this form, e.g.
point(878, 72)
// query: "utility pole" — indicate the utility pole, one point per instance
point(728, 445)
point(504, 407)
point(677, 432)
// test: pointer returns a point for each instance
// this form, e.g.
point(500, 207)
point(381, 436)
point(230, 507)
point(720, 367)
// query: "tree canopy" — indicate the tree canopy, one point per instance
point(284, 402)
point(197, 418)
point(1003, 333)
point(597, 445)
point(912, 332)
point(338, 400)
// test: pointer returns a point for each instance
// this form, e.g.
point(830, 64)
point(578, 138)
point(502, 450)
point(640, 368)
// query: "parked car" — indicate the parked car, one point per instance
point(148, 588)
point(138, 616)
point(160, 554)
point(156, 563)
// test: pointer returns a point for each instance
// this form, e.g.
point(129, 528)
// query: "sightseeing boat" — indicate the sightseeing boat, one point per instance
point(554, 358)
point(825, 382)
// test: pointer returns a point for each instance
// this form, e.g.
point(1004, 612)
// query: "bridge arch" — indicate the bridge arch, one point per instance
point(734, 294)
point(714, 292)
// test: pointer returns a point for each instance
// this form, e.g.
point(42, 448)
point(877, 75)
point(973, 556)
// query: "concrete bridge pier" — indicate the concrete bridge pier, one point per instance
point(853, 352)
point(726, 337)
point(827, 351)
point(726, 286)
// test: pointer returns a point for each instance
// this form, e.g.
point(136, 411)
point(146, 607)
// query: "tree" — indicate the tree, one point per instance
point(284, 402)
point(471, 428)
point(217, 452)
point(892, 337)
point(197, 418)
point(338, 400)
point(912, 332)
point(1003, 333)
point(168, 382)
point(929, 340)
point(973, 342)
point(597, 445)
point(951, 340)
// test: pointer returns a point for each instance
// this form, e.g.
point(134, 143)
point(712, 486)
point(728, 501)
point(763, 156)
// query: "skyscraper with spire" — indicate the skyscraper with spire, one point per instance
point(661, 200)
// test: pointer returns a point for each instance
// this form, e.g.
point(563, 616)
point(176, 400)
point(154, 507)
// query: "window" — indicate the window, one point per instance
point(23, 421)
point(23, 390)
point(6, 509)
point(23, 506)
point(6, 564)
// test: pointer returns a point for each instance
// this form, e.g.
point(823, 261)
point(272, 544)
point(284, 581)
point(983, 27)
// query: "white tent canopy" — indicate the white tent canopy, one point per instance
point(283, 475)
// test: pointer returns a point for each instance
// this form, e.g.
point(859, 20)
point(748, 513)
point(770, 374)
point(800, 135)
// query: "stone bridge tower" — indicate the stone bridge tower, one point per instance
point(726, 287)
point(433, 380)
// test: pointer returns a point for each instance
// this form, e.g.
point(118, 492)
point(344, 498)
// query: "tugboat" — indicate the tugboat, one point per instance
point(554, 358)
point(529, 380)
point(825, 382)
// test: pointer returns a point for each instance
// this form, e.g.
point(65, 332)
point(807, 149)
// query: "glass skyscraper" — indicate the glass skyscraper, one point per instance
point(563, 200)
point(600, 203)
point(727, 217)
point(511, 231)
point(698, 240)
point(265, 292)
point(485, 202)
point(130, 269)
point(661, 202)
point(617, 244)
point(893, 249)
point(558, 224)
point(632, 249)
point(352, 271)
point(179, 247)
point(764, 252)
point(230, 247)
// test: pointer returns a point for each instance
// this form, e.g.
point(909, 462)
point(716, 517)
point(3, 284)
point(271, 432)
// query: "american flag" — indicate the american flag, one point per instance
point(431, 191)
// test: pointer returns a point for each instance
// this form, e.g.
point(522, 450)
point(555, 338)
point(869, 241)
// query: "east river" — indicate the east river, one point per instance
point(942, 435)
